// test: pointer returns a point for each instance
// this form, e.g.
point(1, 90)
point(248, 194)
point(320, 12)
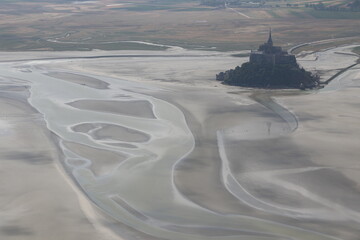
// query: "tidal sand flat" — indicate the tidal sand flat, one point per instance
point(111, 132)
point(101, 162)
point(132, 108)
point(36, 200)
point(170, 153)
point(80, 79)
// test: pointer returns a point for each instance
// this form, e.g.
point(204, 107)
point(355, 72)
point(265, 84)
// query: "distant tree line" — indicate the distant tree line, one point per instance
point(235, 3)
point(217, 3)
point(353, 6)
point(292, 5)
point(246, 3)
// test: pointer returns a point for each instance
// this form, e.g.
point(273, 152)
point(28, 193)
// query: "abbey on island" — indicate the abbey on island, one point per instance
point(269, 67)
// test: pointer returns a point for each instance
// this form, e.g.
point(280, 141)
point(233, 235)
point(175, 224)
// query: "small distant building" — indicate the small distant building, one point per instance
point(270, 54)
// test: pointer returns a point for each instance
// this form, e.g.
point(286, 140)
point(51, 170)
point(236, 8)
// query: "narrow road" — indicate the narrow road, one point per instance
point(236, 11)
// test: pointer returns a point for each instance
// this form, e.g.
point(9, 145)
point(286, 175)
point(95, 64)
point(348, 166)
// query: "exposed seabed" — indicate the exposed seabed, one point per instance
point(157, 145)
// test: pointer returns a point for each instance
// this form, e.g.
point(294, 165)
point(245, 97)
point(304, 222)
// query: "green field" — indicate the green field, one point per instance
point(145, 8)
point(333, 15)
point(27, 25)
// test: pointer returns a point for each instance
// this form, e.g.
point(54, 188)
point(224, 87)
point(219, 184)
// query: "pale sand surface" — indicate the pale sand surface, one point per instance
point(217, 161)
point(37, 198)
point(111, 132)
point(101, 162)
point(80, 79)
point(132, 108)
point(207, 112)
point(36, 202)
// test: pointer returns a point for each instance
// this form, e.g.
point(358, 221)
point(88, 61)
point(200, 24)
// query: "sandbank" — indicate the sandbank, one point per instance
point(80, 79)
point(141, 109)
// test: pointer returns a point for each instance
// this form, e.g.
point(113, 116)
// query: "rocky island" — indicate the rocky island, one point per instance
point(269, 67)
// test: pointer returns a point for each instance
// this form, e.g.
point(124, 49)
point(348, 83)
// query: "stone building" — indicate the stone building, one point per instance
point(270, 54)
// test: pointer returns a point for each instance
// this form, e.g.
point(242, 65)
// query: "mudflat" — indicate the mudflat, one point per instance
point(167, 152)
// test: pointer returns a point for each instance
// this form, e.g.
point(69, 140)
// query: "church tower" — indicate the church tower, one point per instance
point(270, 41)
point(267, 53)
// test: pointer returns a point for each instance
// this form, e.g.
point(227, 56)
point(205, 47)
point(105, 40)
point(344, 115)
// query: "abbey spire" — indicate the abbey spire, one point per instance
point(267, 53)
point(270, 41)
